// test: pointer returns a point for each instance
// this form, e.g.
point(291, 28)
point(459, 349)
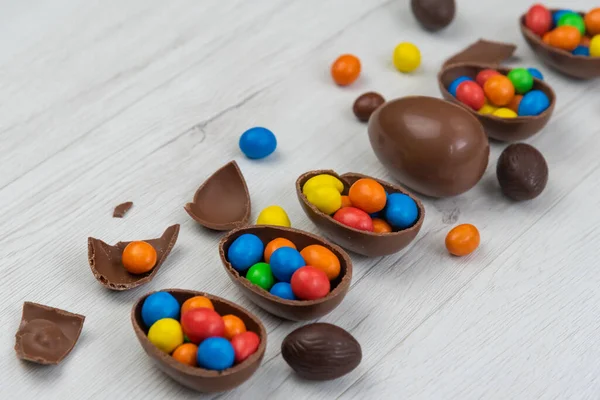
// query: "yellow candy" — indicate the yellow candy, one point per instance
point(326, 198)
point(166, 334)
point(595, 46)
point(487, 109)
point(407, 57)
point(322, 180)
point(273, 215)
point(504, 113)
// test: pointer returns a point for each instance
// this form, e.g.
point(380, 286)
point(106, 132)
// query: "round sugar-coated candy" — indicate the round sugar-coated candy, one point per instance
point(581, 51)
point(455, 83)
point(283, 290)
point(401, 211)
point(244, 345)
point(322, 258)
point(345, 69)
point(471, 94)
point(462, 240)
point(380, 226)
point(326, 198)
point(521, 79)
point(536, 73)
point(245, 251)
point(354, 218)
point(573, 19)
point(504, 113)
point(368, 195)
point(258, 142)
point(487, 109)
point(499, 90)
point(201, 323)
point(310, 283)
point(547, 38)
point(406, 57)
point(275, 244)
point(186, 354)
point(346, 202)
point(166, 334)
point(196, 302)
point(534, 103)
point(322, 180)
point(595, 46)
point(159, 305)
point(366, 104)
point(233, 325)
point(261, 275)
point(484, 75)
point(538, 19)
point(139, 257)
point(216, 353)
point(273, 215)
point(514, 103)
point(592, 21)
point(565, 37)
point(585, 41)
point(284, 262)
point(556, 16)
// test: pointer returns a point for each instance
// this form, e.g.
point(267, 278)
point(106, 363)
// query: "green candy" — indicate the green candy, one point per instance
point(260, 274)
point(521, 79)
point(574, 20)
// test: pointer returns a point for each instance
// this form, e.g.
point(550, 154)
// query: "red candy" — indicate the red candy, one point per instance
point(310, 283)
point(201, 323)
point(354, 218)
point(538, 19)
point(471, 94)
point(244, 345)
point(484, 75)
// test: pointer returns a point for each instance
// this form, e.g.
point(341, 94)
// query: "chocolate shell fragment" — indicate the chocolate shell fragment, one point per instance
point(122, 209)
point(522, 172)
point(483, 51)
point(107, 267)
point(222, 202)
point(47, 335)
point(433, 15)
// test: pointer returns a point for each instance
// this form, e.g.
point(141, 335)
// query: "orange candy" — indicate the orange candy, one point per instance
point(233, 326)
point(514, 103)
point(186, 354)
point(345, 69)
point(565, 37)
point(380, 226)
point(499, 90)
point(322, 258)
point(368, 195)
point(276, 244)
point(546, 37)
point(139, 257)
point(462, 240)
point(196, 302)
point(592, 22)
point(585, 41)
point(346, 202)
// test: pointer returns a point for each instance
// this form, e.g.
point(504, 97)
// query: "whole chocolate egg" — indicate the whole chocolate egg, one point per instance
point(433, 15)
point(432, 146)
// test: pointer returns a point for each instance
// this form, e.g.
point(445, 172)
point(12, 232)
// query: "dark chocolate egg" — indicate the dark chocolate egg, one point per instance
point(321, 351)
point(433, 15)
point(522, 172)
point(430, 145)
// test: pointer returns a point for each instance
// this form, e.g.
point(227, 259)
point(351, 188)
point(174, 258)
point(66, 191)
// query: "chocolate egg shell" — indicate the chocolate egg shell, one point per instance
point(222, 202)
point(197, 378)
point(366, 243)
point(321, 351)
point(433, 146)
point(558, 59)
point(504, 129)
point(433, 15)
point(295, 310)
point(107, 267)
point(522, 172)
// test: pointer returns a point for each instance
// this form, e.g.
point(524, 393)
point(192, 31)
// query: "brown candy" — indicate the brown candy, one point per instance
point(366, 104)
point(522, 172)
point(321, 351)
point(222, 202)
point(122, 209)
point(107, 267)
point(433, 15)
point(295, 310)
point(430, 145)
point(47, 335)
point(197, 378)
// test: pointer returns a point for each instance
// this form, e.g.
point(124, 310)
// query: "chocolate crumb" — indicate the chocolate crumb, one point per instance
point(122, 209)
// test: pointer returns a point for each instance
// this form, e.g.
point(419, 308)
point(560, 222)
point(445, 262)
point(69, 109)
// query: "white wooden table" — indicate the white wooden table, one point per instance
point(107, 101)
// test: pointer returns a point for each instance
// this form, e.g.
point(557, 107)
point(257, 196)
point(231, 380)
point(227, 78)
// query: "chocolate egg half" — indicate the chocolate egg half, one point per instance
point(433, 15)
point(432, 146)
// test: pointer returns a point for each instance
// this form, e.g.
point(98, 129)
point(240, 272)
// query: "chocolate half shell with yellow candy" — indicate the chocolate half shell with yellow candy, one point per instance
point(362, 242)
point(196, 378)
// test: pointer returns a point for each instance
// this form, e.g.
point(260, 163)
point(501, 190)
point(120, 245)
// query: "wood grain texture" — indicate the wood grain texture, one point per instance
point(142, 100)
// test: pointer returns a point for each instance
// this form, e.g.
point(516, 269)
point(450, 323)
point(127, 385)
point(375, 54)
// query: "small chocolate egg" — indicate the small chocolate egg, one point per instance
point(433, 15)
point(522, 172)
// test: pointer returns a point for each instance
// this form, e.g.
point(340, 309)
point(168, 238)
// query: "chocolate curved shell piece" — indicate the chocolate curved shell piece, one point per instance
point(504, 129)
point(295, 310)
point(433, 146)
point(561, 60)
point(433, 15)
point(522, 172)
point(321, 351)
point(47, 335)
point(222, 202)
point(107, 267)
point(122, 209)
point(366, 243)
point(197, 378)
point(483, 51)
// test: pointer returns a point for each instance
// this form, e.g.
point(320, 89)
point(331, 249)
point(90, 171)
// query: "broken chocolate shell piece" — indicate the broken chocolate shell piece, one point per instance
point(107, 267)
point(122, 209)
point(483, 51)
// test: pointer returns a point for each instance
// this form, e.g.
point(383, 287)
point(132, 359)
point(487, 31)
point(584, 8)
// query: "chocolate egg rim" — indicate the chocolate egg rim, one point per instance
point(517, 120)
point(396, 189)
point(339, 290)
point(199, 372)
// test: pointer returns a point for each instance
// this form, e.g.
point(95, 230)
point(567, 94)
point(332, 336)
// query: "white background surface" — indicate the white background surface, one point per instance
point(107, 101)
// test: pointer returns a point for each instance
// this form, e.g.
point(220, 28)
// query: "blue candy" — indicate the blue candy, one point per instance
point(159, 305)
point(456, 82)
point(245, 251)
point(536, 73)
point(258, 142)
point(581, 51)
point(533, 103)
point(283, 290)
point(284, 262)
point(556, 16)
point(401, 211)
point(215, 353)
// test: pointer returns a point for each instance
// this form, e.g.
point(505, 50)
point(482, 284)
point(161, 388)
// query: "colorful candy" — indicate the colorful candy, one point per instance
point(284, 262)
point(326, 198)
point(345, 70)
point(592, 22)
point(536, 73)
point(244, 345)
point(201, 323)
point(139, 257)
point(310, 283)
point(557, 16)
point(487, 109)
point(354, 218)
point(595, 46)
point(521, 79)
point(322, 180)
point(380, 226)
point(565, 37)
point(273, 215)
point(261, 275)
point(573, 19)
point(581, 51)
point(514, 103)
point(275, 244)
point(257, 142)
point(462, 240)
point(346, 201)
point(499, 90)
point(166, 334)
point(505, 113)
point(322, 258)
point(471, 94)
point(401, 211)
point(455, 83)
point(484, 75)
point(196, 302)
point(538, 19)
point(186, 354)
point(216, 353)
point(368, 195)
point(245, 251)
point(533, 103)
point(406, 57)
point(283, 290)
point(158, 306)
point(233, 326)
